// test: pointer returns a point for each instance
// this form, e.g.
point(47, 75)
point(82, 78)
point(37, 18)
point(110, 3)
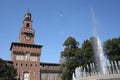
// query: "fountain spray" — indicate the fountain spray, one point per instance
point(100, 58)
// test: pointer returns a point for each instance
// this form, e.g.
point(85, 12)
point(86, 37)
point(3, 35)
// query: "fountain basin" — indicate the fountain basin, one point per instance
point(102, 77)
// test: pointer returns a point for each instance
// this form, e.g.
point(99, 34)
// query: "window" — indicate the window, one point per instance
point(27, 25)
point(35, 65)
point(16, 64)
point(21, 64)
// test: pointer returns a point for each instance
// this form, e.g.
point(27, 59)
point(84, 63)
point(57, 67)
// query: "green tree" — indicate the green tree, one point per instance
point(68, 58)
point(73, 56)
point(7, 71)
point(87, 53)
point(112, 48)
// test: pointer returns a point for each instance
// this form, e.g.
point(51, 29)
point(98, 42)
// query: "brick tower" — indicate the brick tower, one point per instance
point(25, 54)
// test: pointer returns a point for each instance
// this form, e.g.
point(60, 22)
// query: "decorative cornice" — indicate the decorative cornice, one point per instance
point(26, 45)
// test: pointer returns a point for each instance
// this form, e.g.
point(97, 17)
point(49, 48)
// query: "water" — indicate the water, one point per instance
point(82, 72)
point(101, 61)
point(97, 46)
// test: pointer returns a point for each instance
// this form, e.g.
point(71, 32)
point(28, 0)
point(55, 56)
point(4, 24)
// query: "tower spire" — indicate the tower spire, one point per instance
point(27, 16)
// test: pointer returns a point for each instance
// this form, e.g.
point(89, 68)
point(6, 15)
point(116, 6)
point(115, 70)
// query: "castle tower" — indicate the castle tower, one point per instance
point(25, 54)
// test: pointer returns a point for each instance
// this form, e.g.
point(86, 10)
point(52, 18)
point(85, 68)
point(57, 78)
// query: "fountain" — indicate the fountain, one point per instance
point(113, 72)
point(101, 60)
point(102, 69)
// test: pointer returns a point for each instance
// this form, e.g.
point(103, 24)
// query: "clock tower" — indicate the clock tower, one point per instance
point(27, 32)
point(25, 54)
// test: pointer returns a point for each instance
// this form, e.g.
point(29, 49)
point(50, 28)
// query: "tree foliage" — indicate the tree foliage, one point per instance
point(112, 48)
point(68, 58)
point(7, 71)
point(71, 42)
point(87, 53)
point(73, 56)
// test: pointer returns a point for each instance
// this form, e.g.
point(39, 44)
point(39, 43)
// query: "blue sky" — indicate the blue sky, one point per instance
point(55, 20)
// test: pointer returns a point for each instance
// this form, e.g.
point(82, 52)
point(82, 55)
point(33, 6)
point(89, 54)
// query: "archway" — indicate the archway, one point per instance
point(26, 75)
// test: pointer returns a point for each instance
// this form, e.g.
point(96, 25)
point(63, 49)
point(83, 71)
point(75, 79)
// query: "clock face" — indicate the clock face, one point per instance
point(28, 37)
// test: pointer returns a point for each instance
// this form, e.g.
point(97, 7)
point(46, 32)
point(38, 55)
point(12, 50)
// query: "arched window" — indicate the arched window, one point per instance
point(27, 56)
point(27, 25)
point(26, 75)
